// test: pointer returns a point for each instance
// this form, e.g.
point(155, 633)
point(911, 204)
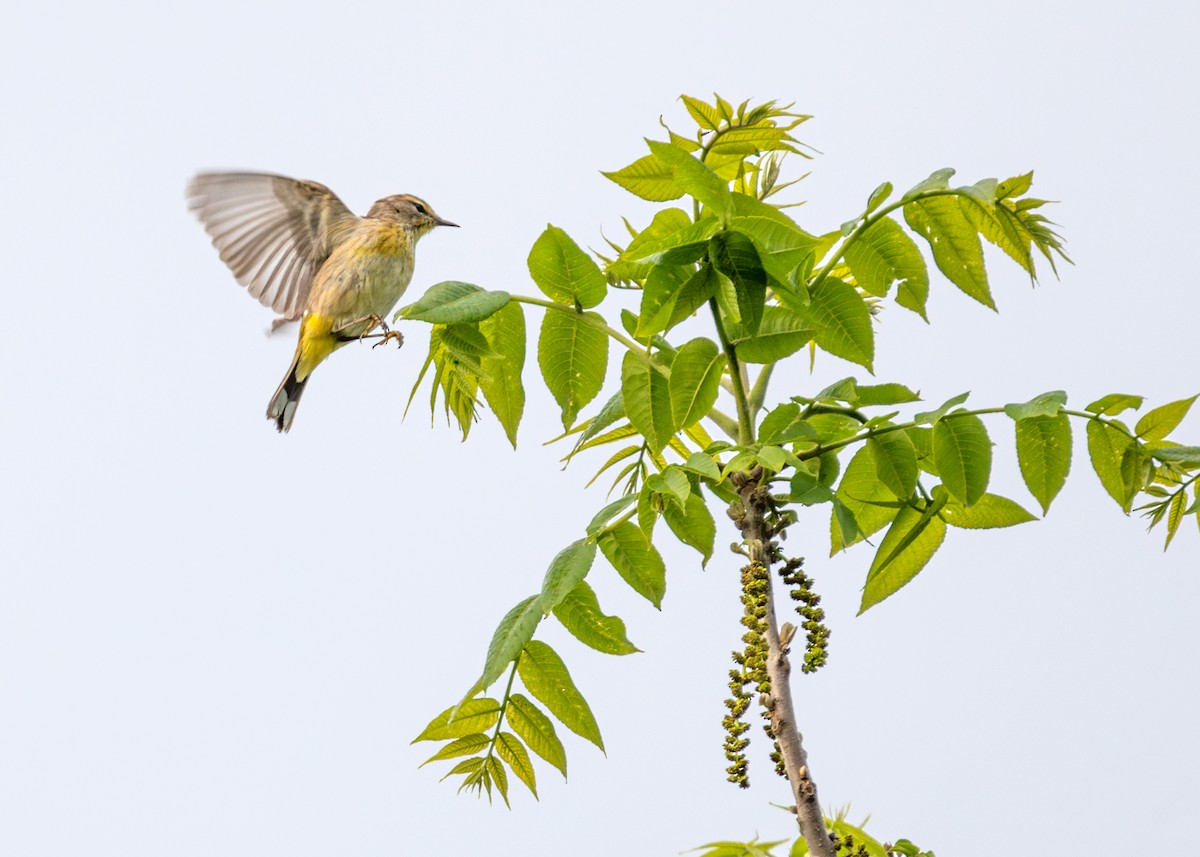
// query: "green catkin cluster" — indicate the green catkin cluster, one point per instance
point(751, 669)
point(735, 744)
point(807, 605)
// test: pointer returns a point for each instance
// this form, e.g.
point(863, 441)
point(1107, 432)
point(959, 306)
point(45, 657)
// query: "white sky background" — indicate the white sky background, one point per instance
point(217, 640)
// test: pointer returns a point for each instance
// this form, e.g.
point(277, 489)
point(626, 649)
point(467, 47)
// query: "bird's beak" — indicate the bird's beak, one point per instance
point(441, 222)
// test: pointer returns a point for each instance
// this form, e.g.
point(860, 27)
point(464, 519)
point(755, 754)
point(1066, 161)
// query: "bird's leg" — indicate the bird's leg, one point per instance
point(372, 321)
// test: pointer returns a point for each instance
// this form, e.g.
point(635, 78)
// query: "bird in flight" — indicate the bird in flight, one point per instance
point(299, 250)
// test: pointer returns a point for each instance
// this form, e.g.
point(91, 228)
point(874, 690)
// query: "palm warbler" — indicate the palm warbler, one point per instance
point(297, 248)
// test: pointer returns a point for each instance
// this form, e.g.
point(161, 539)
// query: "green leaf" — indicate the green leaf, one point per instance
point(501, 380)
point(663, 287)
point(807, 490)
point(695, 293)
point(1185, 455)
point(1002, 227)
point(878, 196)
point(773, 458)
point(724, 108)
point(1107, 446)
point(1114, 403)
point(733, 254)
point(922, 439)
point(895, 462)
point(1016, 186)
point(991, 511)
point(845, 390)
point(934, 416)
point(752, 140)
point(784, 249)
point(834, 427)
point(702, 464)
point(685, 143)
point(649, 178)
point(753, 848)
point(564, 272)
point(885, 394)
point(573, 356)
point(1136, 471)
point(647, 401)
point(451, 301)
point(938, 180)
point(963, 454)
point(567, 569)
point(693, 525)
point(471, 767)
point(1046, 405)
point(695, 380)
point(740, 463)
point(665, 222)
point(1175, 513)
point(918, 536)
point(512, 751)
point(633, 450)
point(465, 342)
point(781, 333)
point(681, 247)
point(690, 174)
point(610, 412)
point(705, 115)
point(913, 295)
point(545, 676)
point(983, 190)
point(457, 351)
point(636, 560)
point(514, 631)
point(580, 613)
point(843, 322)
point(464, 746)
point(473, 715)
point(648, 505)
point(861, 494)
point(1044, 455)
point(497, 775)
point(602, 519)
point(672, 483)
point(954, 243)
point(883, 255)
point(784, 425)
point(1161, 421)
point(536, 730)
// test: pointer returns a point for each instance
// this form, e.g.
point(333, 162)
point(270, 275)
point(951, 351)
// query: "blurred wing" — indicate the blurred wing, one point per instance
point(273, 232)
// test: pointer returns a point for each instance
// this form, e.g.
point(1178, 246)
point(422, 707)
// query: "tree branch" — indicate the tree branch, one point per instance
point(758, 393)
point(779, 705)
point(745, 418)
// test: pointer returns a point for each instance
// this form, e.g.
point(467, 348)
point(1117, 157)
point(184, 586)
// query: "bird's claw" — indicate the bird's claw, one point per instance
point(389, 335)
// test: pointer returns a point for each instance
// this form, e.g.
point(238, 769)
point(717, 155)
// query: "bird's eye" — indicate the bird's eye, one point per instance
point(421, 208)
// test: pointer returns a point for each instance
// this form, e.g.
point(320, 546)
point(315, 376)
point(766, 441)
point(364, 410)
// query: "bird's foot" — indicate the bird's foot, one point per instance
point(387, 335)
point(371, 322)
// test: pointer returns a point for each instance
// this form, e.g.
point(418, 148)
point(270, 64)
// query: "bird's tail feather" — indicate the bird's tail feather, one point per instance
point(282, 408)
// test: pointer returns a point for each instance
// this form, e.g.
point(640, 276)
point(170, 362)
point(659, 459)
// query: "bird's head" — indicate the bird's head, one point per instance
point(409, 211)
